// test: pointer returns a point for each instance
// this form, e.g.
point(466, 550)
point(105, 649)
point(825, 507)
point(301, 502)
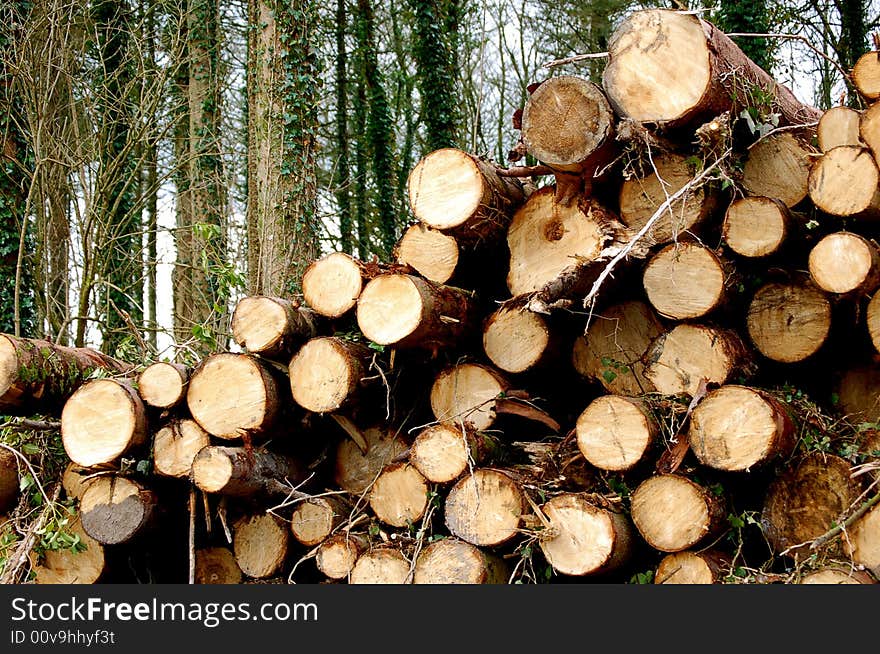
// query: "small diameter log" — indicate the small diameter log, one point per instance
point(485, 508)
point(430, 252)
point(705, 567)
point(260, 544)
point(568, 125)
point(837, 575)
point(858, 391)
point(103, 420)
point(788, 322)
point(615, 432)
point(843, 182)
point(75, 480)
point(466, 393)
point(865, 75)
point(676, 69)
point(331, 285)
point(314, 519)
point(453, 561)
point(806, 500)
point(614, 345)
point(641, 197)
point(271, 326)
point(838, 126)
point(672, 513)
point(115, 509)
point(337, 555)
point(217, 565)
point(844, 262)
point(8, 480)
point(462, 195)
point(176, 445)
point(737, 428)
point(869, 130)
point(516, 339)
point(687, 355)
point(37, 377)
point(685, 281)
point(442, 453)
point(863, 541)
point(162, 385)
point(356, 470)
point(756, 226)
point(66, 566)
point(400, 495)
point(407, 311)
point(872, 320)
point(779, 167)
point(325, 374)
point(382, 565)
point(243, 472)
point(231, 395)
point(584, 539)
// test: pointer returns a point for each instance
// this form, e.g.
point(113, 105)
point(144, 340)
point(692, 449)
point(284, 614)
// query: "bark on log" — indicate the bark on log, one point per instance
point(844, 263)
point(115, 509)
point(779, 167)
point(331, 285)
point(466, 393)
point(756, 226)
point(843, 182)
point(685, 281)
point(244, 472)
point(260, 544)
point(66, 566)
point(272, 327)
point(325, 374)
point(865, 75)
point(314, 519)
point(217, 565)
point(706, 567)
point(355, 470)
point(442, 453)
point(615, 432)
point(8, 480)
point(517, 340)
point(838, 126)
point(863, 542)
point(383, 565)
point(430, 252)
point(337, 555)
point(485, 508)
point(454, 561)
point(175, 447)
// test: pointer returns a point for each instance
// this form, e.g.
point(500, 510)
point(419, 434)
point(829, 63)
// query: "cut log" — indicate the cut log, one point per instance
point(705, 567)
point(641, 197)
point(869, 130)
point(400, 495)
point(442, 453)
point(756, 226)
point(858, 392)
point(260, 545)
point(272, 326)
point(466, 393)
point(686, 356)
point(672, 513)
point(430, 252)
point(584, 539)
point(176, 445)
point(614, 345)
point(838, 126)
point(837, 575)
point(356, 470)
point(685, 280)
point(84, 565)
point(865, 75)
point(331, 285)
point(675, 69)
point(103, 420)
point(863, 541)
point(844, 262)
point(843, 182)
point(382, 565)
point(217, 565)
point(485, 508)
point(162, 385)
point(325, 374)
point(244, 472)
point(615, 432)
point(115, 509)
point(462, 195)
point(337, 555)
point(788, 322)
point(75, 480)
point(516, 339)
point(314, 519)
point(37, 377)
point(453, 561)
point(872, 320)
point(408, 311)
point(805, 501)
point(8, 480)
point(737, 428)
point(232, 395)
point(779, 167)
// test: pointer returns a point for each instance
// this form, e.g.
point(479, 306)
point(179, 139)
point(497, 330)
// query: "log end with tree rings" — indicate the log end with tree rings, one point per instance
point(466, 394)
point(75, 480)
point(788, 322)
point(83, 564)
point(778, 166)
point(441, 453)
point(382, 565)
point(176, 445)
point(863, 541)
point(836, 575)
point(430, 252)
point(356, 470)
point(565, 123)
point(736, 428)
point(325, 373)
point(485, 508)
point(844, 262)
point(838, 126)
point(756, 226)
point(114, 509)
point(516, 339)
point(260, 544)
point(399, 496)
point(858, 394)
point(453, 561)
point(271, 326)
point(866, 75)
point(869, 130)
point(685, 281)
point(615, 433)
point(331, 285)
point(843, 182)
point(672, 513)
point(314, 519)
point(585, 539)
point(217, 565)
point(337, 555)
point(163, 385)
point(872, 320)
point(688, 568)
point(101, 421)
point(446, 189)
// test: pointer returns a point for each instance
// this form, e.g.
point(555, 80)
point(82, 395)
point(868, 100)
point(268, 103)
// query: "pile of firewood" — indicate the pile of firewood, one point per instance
point(658, 365)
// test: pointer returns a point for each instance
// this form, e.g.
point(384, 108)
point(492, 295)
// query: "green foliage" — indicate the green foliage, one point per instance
point(646, 577)
point(747, 16)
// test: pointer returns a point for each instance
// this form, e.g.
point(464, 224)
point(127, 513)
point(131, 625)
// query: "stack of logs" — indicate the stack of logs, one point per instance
point(596, 378)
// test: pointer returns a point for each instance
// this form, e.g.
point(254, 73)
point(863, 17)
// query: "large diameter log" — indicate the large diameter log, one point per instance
point(243, 472)
point(38, 377)
point(756, 226)
point(844, 262)
point(807, 500)
point(260, 544)
point(705, 567)
point(331, 285)
point(443, 452)
point(115, 509)
point(271, 326)
point(568, 125)
point(866, 75)
point(843, 182)
point(485, 508)
point(83, 565)
point(685, 281)
point(175, 447)
point(858, 392)
point(217, 565)
point(314, 519)
point(612, 349)
point(162, 385)
point(863, 541)
point(453, 561)
point(466, 393)
point(337, 555)
point(838, 126)
point(788, 322)
point(615, 432)
point(835, 575)
point(103, 420)
point(356, 470)
point(400, 495)
point(737, 428)
point(325, 374)
point(584, 539)
point(430, 252)
point(673, 513)
point(778, 166)
point(516, 339)
point(233, 395)
point(407, 311)
point(460, 194)
point(383, 565)
point(9, 481)
point(676, 69)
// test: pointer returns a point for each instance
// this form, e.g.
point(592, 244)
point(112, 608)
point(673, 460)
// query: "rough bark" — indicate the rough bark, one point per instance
point(243, 472)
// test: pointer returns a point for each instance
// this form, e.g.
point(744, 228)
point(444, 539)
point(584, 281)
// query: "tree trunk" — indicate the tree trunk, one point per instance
point(485, 508)
point(163, 385)
point(272, 327)
point(430, 252)
point(260, 543)
point(843, 182)
point(686, 280)
point(381, 566)
point(243, 472)
point(337, 555)
point(466, 394)
point(517, 340)
point(342, 166)
point(8, 480)
point(357, 470)
point(217, 565)
point(756, 226)
point(616, 432)
point(778, 166)
point(845, 263)
point(399, 496)
point(839, 126)
point(314, 519)
point(706, 567)
point(69, 566)
point(176, 445)
point(326, 373)
point(444, 452)
point(453, 561)
point(115, 509)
